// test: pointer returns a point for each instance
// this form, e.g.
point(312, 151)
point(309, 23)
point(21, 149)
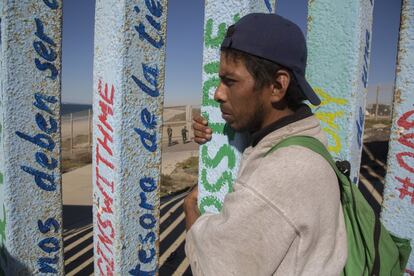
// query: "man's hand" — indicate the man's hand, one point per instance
point(202, 133)
point(191, 208)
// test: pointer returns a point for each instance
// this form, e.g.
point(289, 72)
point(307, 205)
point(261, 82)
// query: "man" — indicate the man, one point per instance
point(284, 216)
point(184, 134)
point(169, 132)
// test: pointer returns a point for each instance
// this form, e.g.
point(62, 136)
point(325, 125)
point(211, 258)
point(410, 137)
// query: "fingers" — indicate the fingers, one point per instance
point(202, 133)
point(202, 137)
point(200, 120)
point(201, 130)
point(200, 141)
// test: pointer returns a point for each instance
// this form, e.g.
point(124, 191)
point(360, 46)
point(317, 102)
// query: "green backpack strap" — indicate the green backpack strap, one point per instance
point(368, 239)
point(346, 197)
point(307, 142)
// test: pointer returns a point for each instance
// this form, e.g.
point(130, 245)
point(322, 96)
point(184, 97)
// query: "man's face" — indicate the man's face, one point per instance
point(241, 105)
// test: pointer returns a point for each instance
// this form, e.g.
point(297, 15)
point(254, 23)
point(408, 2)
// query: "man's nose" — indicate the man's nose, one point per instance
point(220, 94)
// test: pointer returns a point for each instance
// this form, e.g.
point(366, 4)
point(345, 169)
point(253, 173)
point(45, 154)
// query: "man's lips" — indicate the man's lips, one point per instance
point(224, 111)
point(225, 114)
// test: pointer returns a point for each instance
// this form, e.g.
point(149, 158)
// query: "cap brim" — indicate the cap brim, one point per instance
point(307, 89)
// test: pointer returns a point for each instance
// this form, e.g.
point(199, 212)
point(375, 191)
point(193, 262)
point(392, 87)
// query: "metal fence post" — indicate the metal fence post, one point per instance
point(130, 39)
point(398, 206)
point(338, 61)
point(3, 251)
point(71, 134)
point(188, 120)
point(216, 177)
point(89, 129)
point(376, 103)
point(31, 224)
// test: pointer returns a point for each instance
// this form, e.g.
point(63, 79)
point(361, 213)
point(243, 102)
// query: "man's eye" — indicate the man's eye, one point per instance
point(228, 82)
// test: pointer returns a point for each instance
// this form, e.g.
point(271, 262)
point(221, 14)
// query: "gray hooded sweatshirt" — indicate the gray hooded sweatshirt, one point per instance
point(284, 216)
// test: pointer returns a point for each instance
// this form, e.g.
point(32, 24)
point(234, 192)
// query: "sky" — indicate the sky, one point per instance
point(185, 45)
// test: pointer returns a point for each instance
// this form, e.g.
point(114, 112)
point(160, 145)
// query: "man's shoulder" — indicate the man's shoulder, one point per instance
point(294, 159)
point(291, 160)
point(291, 170)
point(296, 181)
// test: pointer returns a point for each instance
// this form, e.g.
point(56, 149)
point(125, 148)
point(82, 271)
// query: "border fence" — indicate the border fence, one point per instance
point(129, 66)
point(76, 131)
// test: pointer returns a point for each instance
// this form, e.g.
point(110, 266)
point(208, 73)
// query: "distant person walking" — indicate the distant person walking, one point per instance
point(184, 134)
point(169, 132)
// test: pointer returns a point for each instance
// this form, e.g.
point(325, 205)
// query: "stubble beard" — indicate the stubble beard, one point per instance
point(255, 121)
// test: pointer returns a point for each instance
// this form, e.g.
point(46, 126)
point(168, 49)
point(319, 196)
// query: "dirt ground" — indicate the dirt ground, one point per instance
point(377, 130)
point(184, 175)
point(80, 155)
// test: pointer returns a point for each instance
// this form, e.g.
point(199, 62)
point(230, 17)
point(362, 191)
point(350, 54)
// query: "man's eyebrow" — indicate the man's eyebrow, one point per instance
point(226, 76)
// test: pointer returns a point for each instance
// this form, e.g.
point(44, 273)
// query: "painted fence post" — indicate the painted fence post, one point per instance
point(216, 177)
point(339, 42)
point(188, 120)
point(3, 251)
point(127, 120)
point(398, 205)
point(31, 213)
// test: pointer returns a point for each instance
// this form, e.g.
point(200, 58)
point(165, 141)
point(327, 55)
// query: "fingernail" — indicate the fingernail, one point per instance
point(208, 136)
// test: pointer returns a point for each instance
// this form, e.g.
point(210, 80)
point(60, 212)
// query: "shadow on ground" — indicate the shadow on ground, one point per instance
point(75, 216)
point(373, 169)
point(77, 222)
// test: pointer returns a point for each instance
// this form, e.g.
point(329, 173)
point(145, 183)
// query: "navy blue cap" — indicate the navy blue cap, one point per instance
point(276, 39)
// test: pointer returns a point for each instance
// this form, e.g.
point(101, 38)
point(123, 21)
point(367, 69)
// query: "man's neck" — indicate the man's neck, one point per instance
point(302, 112)
point(275, 115)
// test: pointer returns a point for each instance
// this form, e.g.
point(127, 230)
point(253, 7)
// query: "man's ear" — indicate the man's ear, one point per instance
point(280, 86)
